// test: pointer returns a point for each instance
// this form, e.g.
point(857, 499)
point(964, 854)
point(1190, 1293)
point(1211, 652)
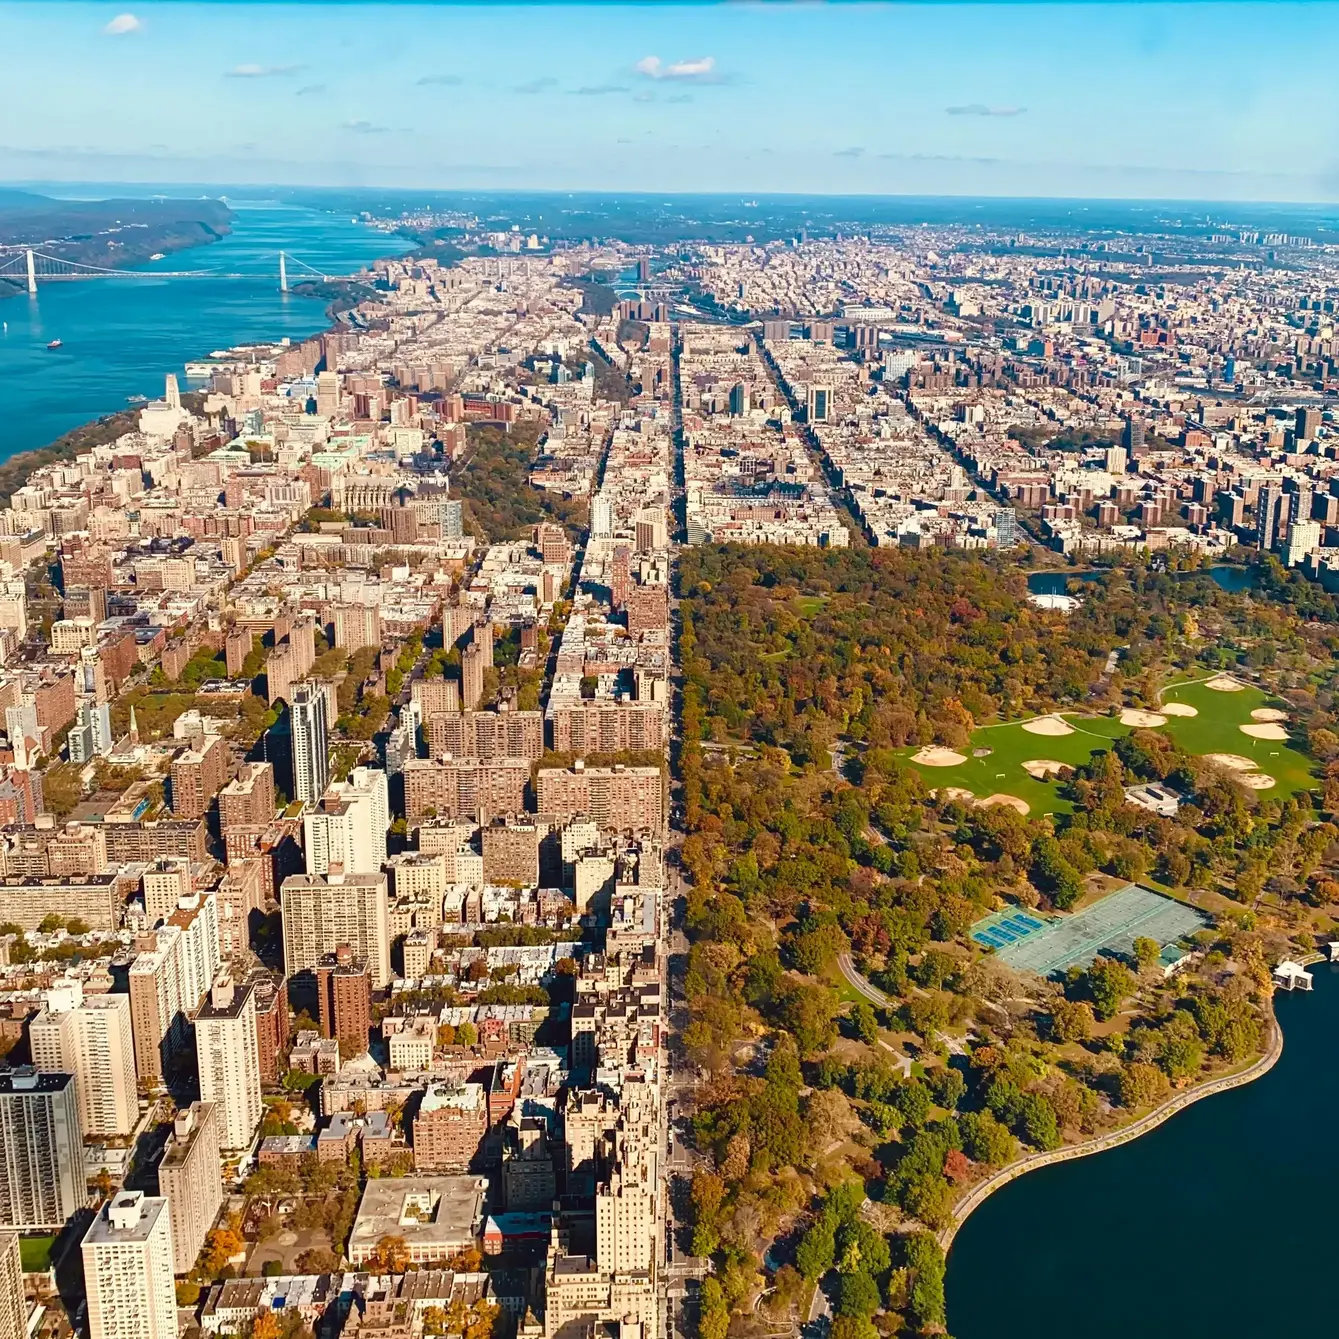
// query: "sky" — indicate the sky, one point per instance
point(1198, 101)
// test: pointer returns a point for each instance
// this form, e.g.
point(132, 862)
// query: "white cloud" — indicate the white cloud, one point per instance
point(703, 70)
point(250, 71)
point(123, 24)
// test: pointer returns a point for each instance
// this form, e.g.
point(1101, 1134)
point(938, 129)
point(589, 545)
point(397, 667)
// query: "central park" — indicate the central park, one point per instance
point(972, 883)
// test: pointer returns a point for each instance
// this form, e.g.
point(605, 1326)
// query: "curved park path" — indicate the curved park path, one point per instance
point(858, 983)
point(1126, 1134)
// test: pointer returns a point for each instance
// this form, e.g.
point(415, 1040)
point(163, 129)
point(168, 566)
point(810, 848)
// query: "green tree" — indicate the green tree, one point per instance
point(946, 1085)
point(863, 1022)
point(985, 1140)
point(1037, 1122)
point(817, 1250)
point(1146, 952)
point(1141, 1085)
point(1110, 984)
point(1071, 1020)
point(857, 1294)
point(714, 1313)
point(925, 1264)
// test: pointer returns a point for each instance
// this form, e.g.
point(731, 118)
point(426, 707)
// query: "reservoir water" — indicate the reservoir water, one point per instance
point(1056, 583)
point(1213, 1226)
point(121, 336)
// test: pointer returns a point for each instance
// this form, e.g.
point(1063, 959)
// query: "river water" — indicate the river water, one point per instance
point(1213, 1226)
point(121, 336)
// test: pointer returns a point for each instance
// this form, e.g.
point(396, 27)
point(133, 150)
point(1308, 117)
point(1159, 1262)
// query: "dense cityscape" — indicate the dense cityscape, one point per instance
point(498, 835)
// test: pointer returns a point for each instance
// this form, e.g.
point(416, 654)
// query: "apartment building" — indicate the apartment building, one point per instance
point(41, 1151)
point(487, 735)
point(128, 1269)
point(90, 1038)
point(449, 1126)
point(456, 787)
point(319, 914)
point(616, 798)
point(198, 774)
point(228, 1060)
point(190, 1178)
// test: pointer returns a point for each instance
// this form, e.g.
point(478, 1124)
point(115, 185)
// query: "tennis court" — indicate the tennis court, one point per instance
point(1002, 928)
point(1107, 927)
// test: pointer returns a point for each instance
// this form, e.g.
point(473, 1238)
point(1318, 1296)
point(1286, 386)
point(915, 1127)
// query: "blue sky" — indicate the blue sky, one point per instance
point(1195, 101)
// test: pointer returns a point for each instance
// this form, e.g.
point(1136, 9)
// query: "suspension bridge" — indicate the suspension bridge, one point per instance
point(30, 266)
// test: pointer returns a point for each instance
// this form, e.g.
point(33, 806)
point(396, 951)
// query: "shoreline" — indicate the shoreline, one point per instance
point(1126, 1134)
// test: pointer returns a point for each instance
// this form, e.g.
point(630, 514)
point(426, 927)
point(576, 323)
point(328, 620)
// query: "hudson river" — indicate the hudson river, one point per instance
point(121, 336)
point(1213, 1226)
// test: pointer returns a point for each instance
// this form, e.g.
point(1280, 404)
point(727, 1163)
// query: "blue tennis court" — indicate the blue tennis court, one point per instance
point(1002, 928)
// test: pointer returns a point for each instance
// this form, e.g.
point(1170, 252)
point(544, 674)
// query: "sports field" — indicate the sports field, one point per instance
point(1216, 728)
point(1002, 772)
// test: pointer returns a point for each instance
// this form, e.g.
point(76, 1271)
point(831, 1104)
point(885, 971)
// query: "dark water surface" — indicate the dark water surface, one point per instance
point(1210, 1227)
point(121, 336)
point(1056, 583)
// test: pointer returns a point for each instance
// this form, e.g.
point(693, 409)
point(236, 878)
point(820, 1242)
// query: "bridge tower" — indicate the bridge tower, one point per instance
point(283, 274)
point(32, 272)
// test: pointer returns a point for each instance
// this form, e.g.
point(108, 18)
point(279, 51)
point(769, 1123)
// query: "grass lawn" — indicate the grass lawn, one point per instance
point(1011, 746)
point(1217, 730)
point(35, 1254)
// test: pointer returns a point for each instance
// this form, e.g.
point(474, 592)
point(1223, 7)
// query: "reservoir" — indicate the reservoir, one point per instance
point(119, 337)
point(1056, 583)
point(1206, 1228)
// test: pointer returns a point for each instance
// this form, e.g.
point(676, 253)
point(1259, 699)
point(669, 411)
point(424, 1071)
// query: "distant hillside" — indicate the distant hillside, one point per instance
point(114, 233)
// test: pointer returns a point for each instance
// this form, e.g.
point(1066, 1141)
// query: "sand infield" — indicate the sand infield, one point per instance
point(1178, 709)
point(1269, 731)
point(1268, 714)
point(1133, 716)
point(1012, 801)
point(953, 793)
point(1048, 725)
point(932, 755)
point(1225, 684)
point(1040, 768)
point(1256, 780)
point(1234, 762)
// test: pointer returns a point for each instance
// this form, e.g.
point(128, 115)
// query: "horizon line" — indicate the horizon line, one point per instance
point(742, 195)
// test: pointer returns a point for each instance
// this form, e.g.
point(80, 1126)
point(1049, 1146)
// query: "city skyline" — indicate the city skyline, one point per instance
point(844, 100)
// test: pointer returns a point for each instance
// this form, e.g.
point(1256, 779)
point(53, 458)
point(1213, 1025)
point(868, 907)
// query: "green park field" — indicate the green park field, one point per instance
point(1011, 746)
point(1217, 729)
point(1214, 729)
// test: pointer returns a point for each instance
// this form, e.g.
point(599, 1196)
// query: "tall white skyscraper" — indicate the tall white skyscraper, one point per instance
point(92, 1040)
point(189, 1175)
point(13, 1306)
point(41, 1150)
point(229, 1061)
point(601, 517)
point(128, 1270)
point(348, 829)
point(311, 745)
